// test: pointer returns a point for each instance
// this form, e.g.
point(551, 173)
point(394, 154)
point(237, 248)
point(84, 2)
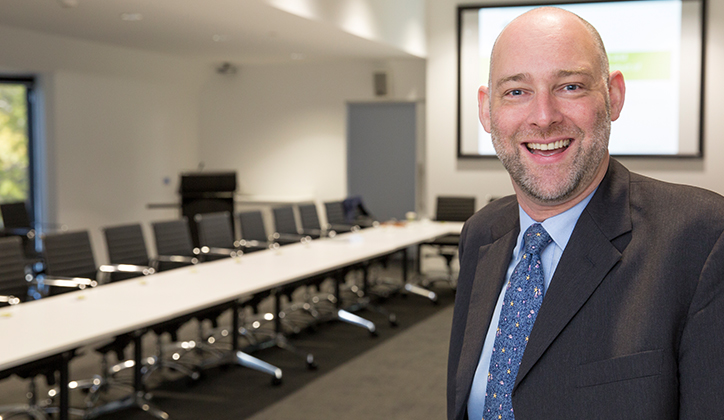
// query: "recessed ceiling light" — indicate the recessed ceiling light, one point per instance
point(69, 4)
point(220, 38)
point(131, 17)
point(297, 56)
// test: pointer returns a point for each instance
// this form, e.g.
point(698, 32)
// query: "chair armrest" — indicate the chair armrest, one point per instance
point(321, 233)
point(126, 268)
point(229, 252)
point(177, 259)
point(9, 299)
point(291, 237)
point(343, 228)
point(20, 231)
point(79, 282)
point(255, 244)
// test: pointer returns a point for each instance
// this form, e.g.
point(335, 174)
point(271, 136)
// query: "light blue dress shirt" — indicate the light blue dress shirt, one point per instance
point(560, 227)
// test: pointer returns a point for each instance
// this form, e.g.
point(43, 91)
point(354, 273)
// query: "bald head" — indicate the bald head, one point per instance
point(551, 22)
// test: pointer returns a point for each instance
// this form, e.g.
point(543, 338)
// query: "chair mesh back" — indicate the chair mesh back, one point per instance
point(69, 255)
point(455, 209)
point(335, 212)
point(126, 245)
point(284, 220)
point(309, 217)
point(12, 268)
point(252, 226)
point(15, 215)
point(215, 229)
point(173, 238)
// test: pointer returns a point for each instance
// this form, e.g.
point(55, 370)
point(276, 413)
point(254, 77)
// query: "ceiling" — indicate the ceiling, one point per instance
point(240, 31)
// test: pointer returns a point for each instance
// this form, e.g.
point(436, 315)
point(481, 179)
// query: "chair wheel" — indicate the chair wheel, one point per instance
point(276, 381)
point(393, 320)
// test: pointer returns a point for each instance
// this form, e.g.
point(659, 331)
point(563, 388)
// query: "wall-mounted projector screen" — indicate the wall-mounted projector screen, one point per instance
point(658, 46)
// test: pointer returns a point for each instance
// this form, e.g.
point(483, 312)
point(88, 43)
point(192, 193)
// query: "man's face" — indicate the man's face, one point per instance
point(548, 109)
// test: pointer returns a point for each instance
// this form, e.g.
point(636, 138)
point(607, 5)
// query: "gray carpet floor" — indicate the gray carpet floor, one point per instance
point(401, 379)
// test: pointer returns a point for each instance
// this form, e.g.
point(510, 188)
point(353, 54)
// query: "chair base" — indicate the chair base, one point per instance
point(140, 400)
point(280, 341)
point(238, 357)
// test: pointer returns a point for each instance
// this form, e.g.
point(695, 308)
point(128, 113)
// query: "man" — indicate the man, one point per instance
point(621, 315)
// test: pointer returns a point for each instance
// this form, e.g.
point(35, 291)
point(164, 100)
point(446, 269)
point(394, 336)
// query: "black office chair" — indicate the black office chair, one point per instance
point(13, 282)
point(253, 233)
point(285, 227)
point(336, 219)
point(16, 222)
point(449, 209)
point(216, 239)
point(311, 225)
point(34, 408)
point(174, 247)
point(216, 236)
point(69, 255)
point(254, 236)
point(13, 291)
point(16, 281)
point(127, 250)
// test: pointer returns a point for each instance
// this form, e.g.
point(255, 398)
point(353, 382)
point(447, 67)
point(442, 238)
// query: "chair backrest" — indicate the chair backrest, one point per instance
point(69, 254)
point(173, 237)
point(454, 209)
point(309, 217)
point(12, 268)
point(284, 221)
point(15, 215)
point(335, 212)
point(126, 245)
point(215, 229)
point(252, 226)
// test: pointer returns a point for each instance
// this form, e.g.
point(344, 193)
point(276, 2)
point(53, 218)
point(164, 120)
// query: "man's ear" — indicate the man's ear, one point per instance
point(616, 93)
point(484, 107)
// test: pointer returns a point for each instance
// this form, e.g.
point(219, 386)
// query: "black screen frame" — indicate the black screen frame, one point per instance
point(702, 83)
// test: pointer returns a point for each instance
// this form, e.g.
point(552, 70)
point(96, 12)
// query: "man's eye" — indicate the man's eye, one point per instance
point(572, 87)
point(515, 92)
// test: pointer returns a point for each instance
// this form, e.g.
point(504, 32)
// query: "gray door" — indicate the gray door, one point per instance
point(381, 157)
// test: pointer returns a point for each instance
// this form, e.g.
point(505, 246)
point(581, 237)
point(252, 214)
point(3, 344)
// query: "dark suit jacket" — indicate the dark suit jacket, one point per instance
point(632, 325)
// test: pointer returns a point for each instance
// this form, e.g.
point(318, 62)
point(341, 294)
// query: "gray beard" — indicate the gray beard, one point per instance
point(583, 170)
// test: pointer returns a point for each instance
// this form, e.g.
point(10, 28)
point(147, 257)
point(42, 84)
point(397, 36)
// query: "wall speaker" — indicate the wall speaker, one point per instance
point(380, 83)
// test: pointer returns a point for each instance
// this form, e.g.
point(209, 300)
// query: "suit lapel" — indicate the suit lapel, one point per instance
point(588, 257)
point(493, 260)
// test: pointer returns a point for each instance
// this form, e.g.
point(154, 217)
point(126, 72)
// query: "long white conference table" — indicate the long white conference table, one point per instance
point(60, 324)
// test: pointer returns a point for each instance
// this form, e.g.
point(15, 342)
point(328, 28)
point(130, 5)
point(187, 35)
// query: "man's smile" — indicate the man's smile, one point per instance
point(548, 149)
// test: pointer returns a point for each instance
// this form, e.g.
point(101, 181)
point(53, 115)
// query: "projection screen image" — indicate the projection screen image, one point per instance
point(657, 45)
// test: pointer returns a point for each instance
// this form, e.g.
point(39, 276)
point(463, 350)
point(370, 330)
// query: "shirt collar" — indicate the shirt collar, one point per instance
point(560, 226)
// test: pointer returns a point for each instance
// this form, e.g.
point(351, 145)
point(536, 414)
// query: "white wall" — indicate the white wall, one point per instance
point(483, 178)
point(120, 125)
point(115, 123)
point(283, 128)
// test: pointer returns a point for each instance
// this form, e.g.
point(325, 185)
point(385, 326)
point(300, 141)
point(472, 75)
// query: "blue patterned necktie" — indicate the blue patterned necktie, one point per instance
point(521, 303)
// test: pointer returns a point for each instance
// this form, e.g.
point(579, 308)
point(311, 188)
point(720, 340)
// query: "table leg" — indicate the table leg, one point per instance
point(64, 380)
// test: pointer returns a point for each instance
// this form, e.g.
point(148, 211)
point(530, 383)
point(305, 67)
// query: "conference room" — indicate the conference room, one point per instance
point(299, 102)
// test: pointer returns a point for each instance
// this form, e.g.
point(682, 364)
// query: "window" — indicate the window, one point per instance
point(16, 183)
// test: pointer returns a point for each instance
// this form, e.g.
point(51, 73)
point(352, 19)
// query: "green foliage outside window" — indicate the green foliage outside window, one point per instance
point(13, 143)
